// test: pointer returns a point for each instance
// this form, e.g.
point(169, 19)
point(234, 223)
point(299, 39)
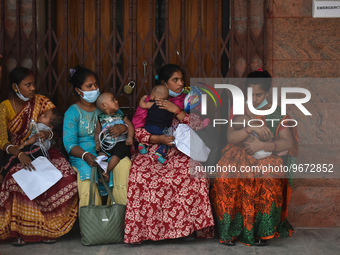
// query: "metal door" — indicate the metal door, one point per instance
point(128, 40)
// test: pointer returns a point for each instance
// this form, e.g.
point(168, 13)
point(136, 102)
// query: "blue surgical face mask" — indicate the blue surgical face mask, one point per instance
point(172, 93)
point(263, 103)
point(20, 95)
point(90, 96)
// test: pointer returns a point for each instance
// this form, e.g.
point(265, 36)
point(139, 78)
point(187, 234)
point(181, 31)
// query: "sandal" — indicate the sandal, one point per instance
point(260, 242)
point(18, 242)
point(229, 242)
point(49, 241)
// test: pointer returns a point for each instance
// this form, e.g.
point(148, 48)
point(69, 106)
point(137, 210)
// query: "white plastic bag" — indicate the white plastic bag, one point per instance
point(188, 142)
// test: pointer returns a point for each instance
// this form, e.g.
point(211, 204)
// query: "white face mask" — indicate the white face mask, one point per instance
point(90, 96)
point(20, 95)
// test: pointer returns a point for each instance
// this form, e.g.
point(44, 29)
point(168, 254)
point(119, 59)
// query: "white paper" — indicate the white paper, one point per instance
point(188, 142)
point(101, 160)
point(34, 183)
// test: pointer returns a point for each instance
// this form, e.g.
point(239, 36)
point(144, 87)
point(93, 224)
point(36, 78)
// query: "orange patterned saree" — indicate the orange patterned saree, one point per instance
point(249, 206)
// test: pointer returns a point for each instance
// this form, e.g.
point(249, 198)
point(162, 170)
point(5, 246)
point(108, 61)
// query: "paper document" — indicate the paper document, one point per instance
point(188, 142)
point(101, 160)
point(34, 183)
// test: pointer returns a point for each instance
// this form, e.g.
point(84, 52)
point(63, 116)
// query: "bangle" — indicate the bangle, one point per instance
point(129, 138)
point(274, 145)
point(82, 156)
point(11, 145)
point(178, 111)
point(50, 134)
point(20, 154)
point(126, 129)
point(247, 131)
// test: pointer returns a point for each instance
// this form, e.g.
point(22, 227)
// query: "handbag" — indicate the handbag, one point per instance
point(102, 224)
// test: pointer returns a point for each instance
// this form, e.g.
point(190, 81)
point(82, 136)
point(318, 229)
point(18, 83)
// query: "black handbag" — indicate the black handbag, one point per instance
point(102, 224)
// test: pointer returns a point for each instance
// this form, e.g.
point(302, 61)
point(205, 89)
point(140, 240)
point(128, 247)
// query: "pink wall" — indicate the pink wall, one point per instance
point(300, 46)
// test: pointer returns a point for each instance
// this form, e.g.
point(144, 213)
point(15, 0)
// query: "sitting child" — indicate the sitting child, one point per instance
point(48, 121)
point(157, 121)
point(116, 146)
point(245, 118)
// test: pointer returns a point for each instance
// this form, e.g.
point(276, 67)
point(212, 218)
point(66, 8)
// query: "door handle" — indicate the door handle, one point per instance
point(145, 64)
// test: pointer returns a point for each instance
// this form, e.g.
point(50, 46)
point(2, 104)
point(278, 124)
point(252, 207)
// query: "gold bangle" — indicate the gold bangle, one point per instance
point(20, 154)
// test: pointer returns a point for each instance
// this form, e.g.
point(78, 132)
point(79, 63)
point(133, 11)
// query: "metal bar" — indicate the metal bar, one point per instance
point(134, 47)
point(248, 40)
point(18, 32)
point(216, 60)
point(148, 75)
point(34, 31)
point(199, 38)
point(49, 49)
point(265, 32)
point(3, 89)
point(82, 10)
point(114, 46)
point(98, 33)
point(65, 53)
point(182, 53)
point(2, 28)
point(167, 39)
point(232, 73)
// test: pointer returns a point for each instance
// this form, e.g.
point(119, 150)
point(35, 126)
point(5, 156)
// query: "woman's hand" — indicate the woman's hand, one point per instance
point(253, 146)
point(167, 140)
point(89, 158)
point(25, 161)
point(167, 105)
point(117, 130)
point(263, 132)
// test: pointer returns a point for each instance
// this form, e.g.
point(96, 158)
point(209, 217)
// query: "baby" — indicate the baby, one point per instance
point(157, 121)
point(245, 118)
point(117, 147)
point(50, 120)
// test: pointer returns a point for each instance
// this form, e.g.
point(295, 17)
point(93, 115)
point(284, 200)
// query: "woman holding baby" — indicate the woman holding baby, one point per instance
point(164, 200)
point(53, 213)
point(80, 125)
point(252, 207)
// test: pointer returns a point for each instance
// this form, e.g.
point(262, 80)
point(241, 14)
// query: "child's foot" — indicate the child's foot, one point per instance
point(160, 158)
point(142, 149)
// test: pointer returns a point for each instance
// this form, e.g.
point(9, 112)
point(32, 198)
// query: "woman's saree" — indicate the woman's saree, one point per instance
point(251, 205)
point(53, 213)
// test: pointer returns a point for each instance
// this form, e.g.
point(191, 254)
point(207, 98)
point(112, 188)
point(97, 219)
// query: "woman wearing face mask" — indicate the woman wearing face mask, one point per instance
point(53, 213)
point(252, 207)
point(164, 201)
point(79, 137)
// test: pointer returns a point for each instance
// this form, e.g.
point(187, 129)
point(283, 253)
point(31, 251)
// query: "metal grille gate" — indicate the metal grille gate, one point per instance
point(123, 41)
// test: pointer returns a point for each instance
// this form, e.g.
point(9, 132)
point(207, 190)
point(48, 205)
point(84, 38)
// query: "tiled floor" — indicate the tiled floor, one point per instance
point(303, 241)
